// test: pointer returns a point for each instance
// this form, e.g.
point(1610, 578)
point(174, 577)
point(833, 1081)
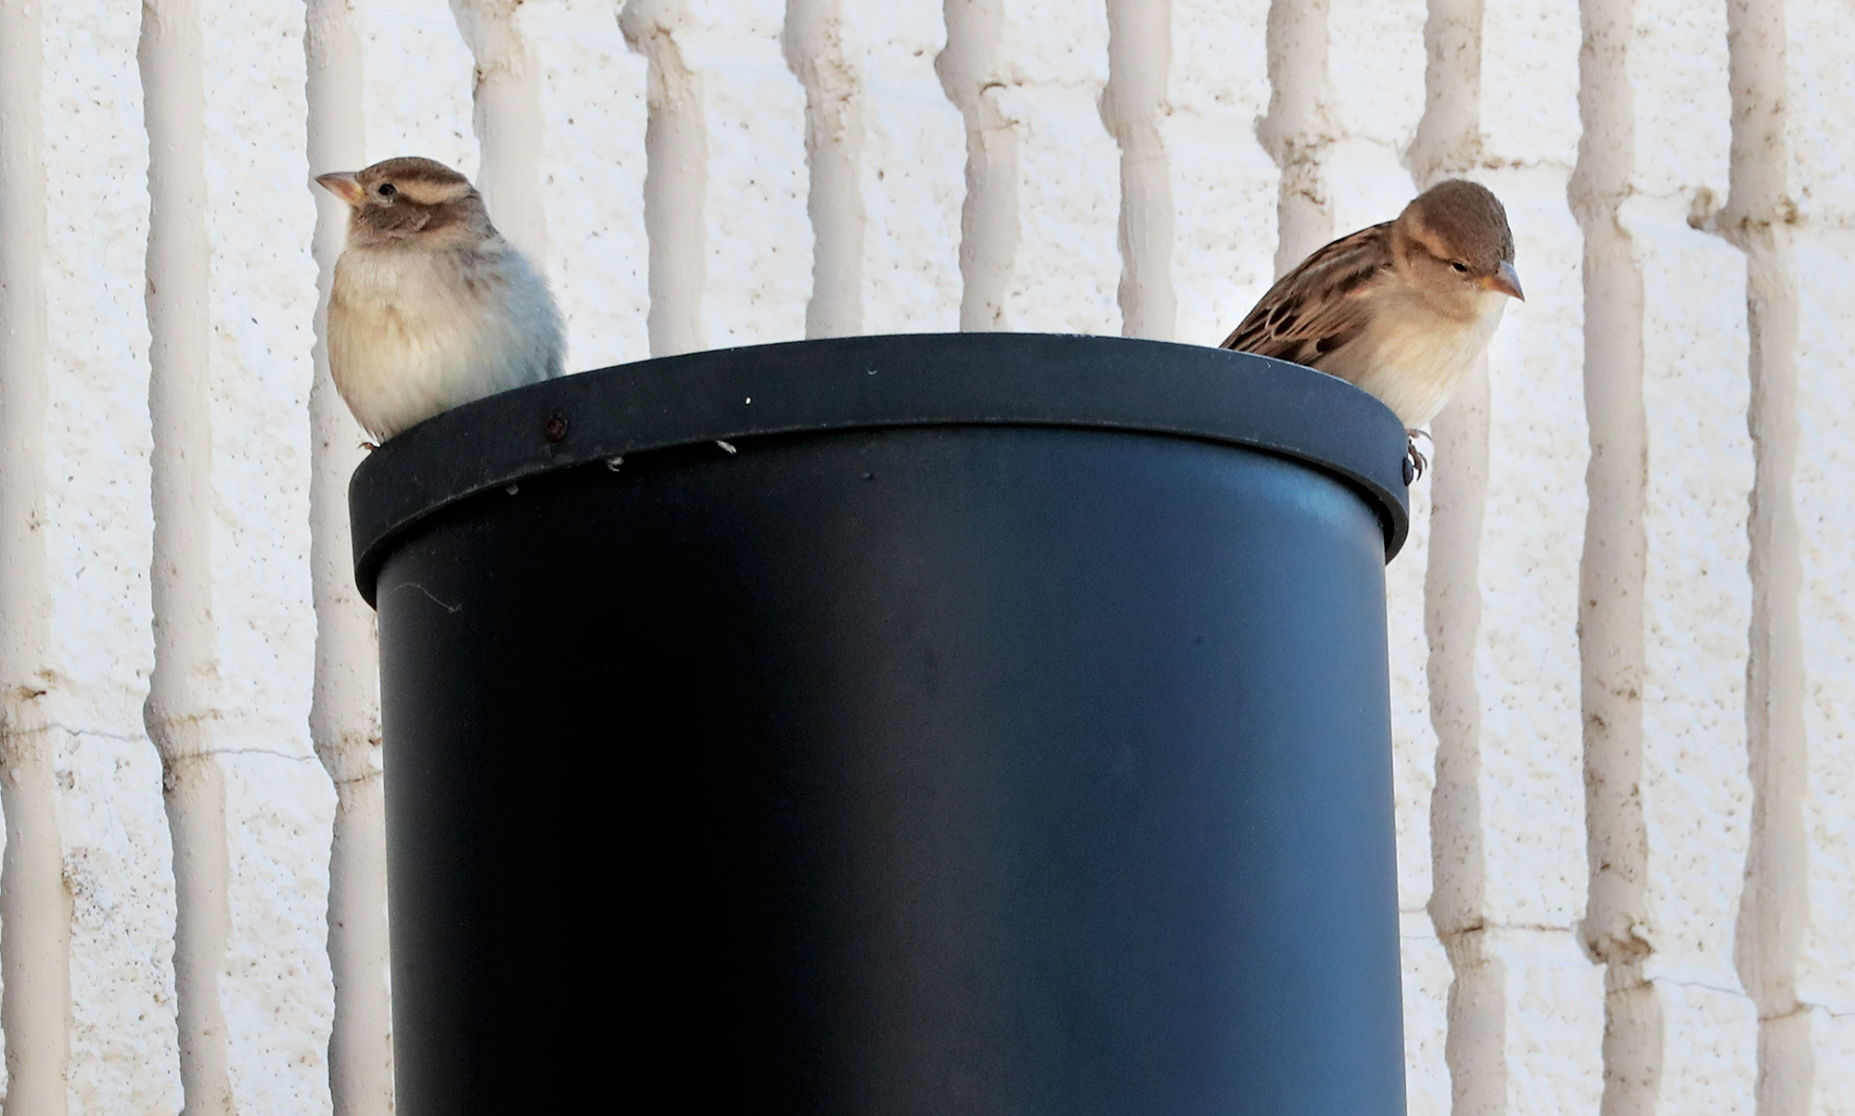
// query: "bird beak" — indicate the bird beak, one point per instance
point(344, 185)
point(1506, 280)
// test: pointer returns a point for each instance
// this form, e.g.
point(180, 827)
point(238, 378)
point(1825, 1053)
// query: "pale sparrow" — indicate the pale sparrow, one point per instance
point(430, 308)
point(1400, 309)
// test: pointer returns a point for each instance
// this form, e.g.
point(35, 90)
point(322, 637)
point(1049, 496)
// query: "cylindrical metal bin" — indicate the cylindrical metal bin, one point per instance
point(994, 723)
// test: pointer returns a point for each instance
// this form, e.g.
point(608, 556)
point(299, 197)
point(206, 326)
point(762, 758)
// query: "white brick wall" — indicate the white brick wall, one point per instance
point(1622, 649)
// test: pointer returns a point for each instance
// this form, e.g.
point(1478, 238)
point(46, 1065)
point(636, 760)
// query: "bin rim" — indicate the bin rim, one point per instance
point(844, 384)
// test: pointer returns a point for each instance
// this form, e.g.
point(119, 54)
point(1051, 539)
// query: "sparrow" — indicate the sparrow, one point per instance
point(430, 308)
point(1400, 309)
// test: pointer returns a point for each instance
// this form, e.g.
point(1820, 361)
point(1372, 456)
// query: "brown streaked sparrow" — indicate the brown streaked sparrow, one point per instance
point(430, 308)
point(1401, 309)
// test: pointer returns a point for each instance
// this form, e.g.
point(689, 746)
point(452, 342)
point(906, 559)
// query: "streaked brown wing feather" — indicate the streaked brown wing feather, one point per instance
point(1317, 307)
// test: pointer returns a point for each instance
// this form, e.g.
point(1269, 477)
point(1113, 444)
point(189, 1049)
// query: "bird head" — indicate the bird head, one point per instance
point(1455, 242)
point(401, 200)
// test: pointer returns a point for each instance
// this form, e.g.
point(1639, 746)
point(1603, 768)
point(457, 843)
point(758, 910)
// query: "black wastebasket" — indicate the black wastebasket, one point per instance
point(961, 723)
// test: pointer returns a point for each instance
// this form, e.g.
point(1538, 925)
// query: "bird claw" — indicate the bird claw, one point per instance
point(370, 446)
point(1415, 462)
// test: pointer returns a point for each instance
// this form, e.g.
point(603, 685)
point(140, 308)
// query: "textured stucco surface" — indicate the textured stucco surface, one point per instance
point(1626, 850)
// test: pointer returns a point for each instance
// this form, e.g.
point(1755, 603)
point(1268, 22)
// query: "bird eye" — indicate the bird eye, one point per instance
point(1461, 268)
point(388, 191)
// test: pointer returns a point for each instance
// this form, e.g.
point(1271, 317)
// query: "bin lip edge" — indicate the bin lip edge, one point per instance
point(963, 379)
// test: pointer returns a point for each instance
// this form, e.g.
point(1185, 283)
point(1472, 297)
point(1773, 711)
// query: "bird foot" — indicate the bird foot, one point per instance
point(370, 446)
point(1415, 462)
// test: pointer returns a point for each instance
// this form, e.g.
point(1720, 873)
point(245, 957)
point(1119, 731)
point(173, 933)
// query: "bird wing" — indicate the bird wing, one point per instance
point(1320, 305)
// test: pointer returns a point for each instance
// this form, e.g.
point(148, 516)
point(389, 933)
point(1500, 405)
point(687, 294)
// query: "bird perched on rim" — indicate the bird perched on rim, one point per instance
point(431, 308)
point(1401, 309)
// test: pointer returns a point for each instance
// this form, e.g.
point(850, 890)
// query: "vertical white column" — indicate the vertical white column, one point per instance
point(725, 195)
point(1038, 248)
point(815, 50)
point(1816, 213)
point(1462, 849)
point(989, 232)
point(1665, 599)
point(344, 707)
point(1613, 570)
point(1132, 106)
point(232, 296)
point(111, 833)
point(1774, 907)
point(1297, 125)
point(1502, 583)
point(676, 179)
point(35, 976)
point(506, 101)
point(179, 704)
point(885, 177)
